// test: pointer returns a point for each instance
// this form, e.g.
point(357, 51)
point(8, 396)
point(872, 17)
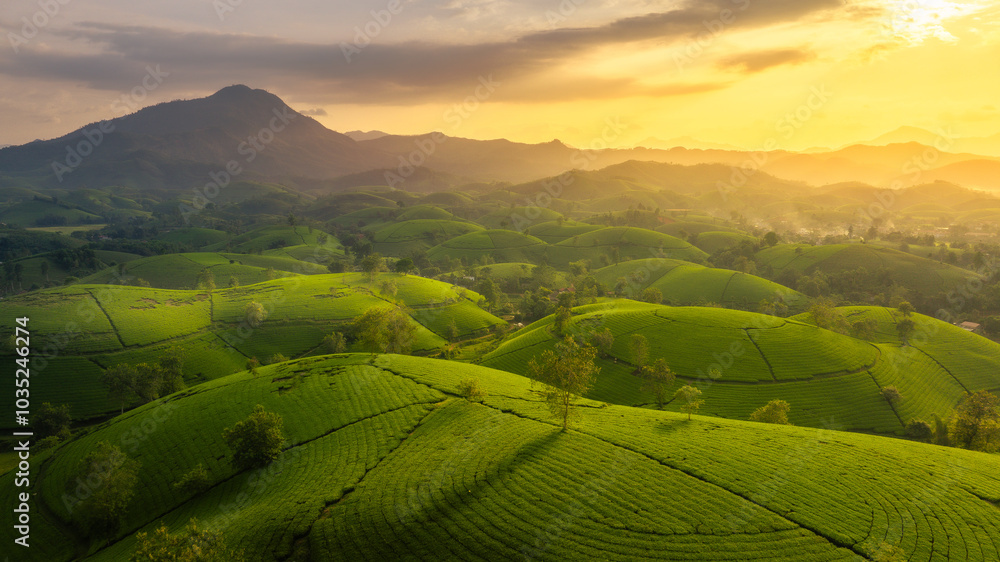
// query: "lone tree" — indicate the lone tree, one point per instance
point(776, 411)
point(688, 396)
point(255, 314)
point(603, 341)
point(651, 295)
point(187, 545)
point(255, 441)
point(905, 308)
point(206, 280)
point(372, 264)
point(657, 379)
point(638, 347)
point(566, 372)
point(976, 422)
point(100, 514)
point(384, 330)
point(905, 329)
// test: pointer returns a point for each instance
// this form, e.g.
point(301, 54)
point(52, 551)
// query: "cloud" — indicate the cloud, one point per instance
point(317, 112)
point(411, 72)
point(759, 61)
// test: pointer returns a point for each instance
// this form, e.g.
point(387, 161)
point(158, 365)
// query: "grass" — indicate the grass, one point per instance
point(384, 461)
point(712, 242)
point(822, 374)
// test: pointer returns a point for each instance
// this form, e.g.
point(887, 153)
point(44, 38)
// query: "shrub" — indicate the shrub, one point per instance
point(189, 545)
point(919, 429)
point(776, 411)
point(891, 394)
point(469, 388)
point(195, 481)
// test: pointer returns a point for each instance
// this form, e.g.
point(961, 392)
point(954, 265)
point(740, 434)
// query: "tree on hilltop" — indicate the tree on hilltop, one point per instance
point(566, 372)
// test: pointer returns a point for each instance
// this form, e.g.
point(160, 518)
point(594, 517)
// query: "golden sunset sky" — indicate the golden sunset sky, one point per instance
point(806, 73)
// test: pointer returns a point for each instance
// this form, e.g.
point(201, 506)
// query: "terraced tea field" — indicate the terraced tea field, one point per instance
point(630, 243)
point(403, 238)
point(181, 271)
point(913, 272)
point(687, 283)
point(825, 376)
point(499, 245)
point(382, 461)
point(79, 330)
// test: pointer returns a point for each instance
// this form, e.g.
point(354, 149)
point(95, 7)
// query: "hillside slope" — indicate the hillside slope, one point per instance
point(383, 461)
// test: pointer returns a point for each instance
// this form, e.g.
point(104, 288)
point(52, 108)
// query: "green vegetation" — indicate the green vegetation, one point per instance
point(741, 360)
point(373, 448)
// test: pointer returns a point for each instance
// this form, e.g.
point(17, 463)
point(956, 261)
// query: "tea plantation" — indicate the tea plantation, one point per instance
point(382, 460)
point(827, 377)
point(79, 330)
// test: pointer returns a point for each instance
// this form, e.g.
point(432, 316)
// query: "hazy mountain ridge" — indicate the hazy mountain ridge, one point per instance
point(178, 144)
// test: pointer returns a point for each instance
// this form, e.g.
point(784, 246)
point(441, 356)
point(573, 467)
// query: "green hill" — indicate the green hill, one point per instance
point(274, 238)
point(518, 218)
point(180, 271)
point(823, 375)
point(688, 227)
point(424, 212)
point(35, 212)
point(554, 232)
point(913, 272)
point(382, 461)
point(629, 243)
point(79, 330)
point(712, 241)
point(403, 238)
point(499, 245)
point(194, 238)
point(687, 283)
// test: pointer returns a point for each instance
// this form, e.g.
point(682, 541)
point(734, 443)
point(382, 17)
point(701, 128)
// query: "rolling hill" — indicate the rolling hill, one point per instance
point(79, 330)
point(824, 375)
point(687, 283)
point(913, 272)
point(382, 460)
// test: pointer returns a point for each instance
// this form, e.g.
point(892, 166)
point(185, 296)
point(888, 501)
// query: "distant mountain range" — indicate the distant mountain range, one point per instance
point(253, 134)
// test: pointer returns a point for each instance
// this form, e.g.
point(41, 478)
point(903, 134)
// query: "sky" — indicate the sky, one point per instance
point(793, 74)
